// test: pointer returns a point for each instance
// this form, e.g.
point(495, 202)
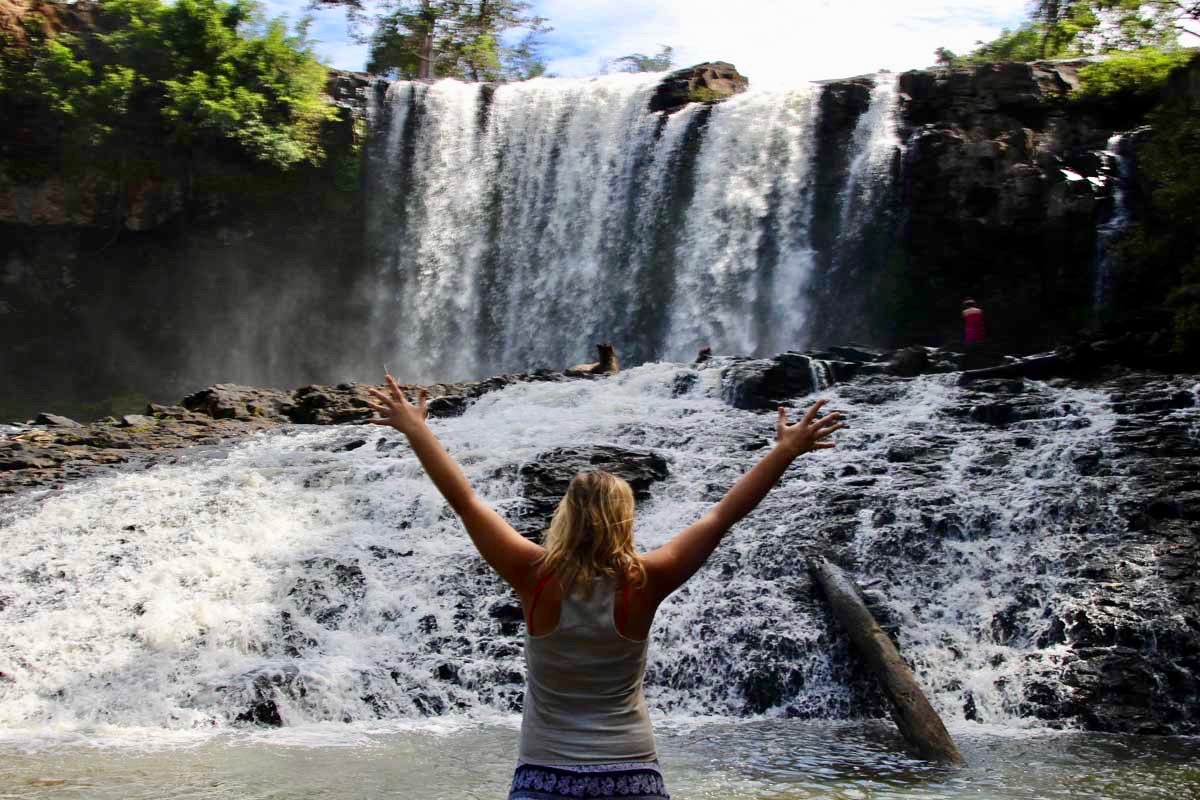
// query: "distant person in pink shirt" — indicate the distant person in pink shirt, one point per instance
point(972, 324)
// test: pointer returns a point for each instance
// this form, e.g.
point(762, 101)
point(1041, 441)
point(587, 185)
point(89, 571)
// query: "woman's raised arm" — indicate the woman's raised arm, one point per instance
point(668, 567)
point(508, 552)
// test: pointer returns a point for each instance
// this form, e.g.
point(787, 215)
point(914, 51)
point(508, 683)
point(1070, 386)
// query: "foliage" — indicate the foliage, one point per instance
point(204, 72)
point(640, 62)
point(1160, 256)
point(1141, 71)
point(1063, 28)
point(1029, 42)
point(1101, 26)
point(464, 39)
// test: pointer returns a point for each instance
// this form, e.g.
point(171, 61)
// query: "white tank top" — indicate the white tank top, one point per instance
point(583, 688)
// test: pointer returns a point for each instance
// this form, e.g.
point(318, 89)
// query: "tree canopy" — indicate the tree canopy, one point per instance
point(472, 40)
point(1064, 28)
point(195, 72)
point(640, 62)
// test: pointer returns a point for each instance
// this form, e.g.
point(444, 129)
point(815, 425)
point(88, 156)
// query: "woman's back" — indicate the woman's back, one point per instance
point(583, 698)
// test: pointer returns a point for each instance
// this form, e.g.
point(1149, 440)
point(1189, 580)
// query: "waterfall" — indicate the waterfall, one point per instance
point(1118, 168)
point(743, 256)
point(317, 572)
point(873, 148)
point(515, 227)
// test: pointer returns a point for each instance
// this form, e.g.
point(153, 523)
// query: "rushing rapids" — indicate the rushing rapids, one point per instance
point(313, 574)
point(532, 220)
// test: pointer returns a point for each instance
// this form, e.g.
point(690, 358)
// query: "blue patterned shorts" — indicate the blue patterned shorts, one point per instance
point(636, 780)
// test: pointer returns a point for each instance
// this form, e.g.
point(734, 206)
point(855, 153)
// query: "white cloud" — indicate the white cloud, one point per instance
point(774, 41)
point(335, 45)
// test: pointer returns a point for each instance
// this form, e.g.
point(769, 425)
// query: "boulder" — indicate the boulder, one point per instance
point(762, 384)
point(974, 95)
point(260, 690)
point(708, 83)
point(232, 401)
point(330, 405)
point(545, 480)
point(55, 421)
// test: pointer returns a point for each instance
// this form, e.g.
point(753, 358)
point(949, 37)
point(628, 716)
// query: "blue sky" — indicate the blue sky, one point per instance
point(774, 42)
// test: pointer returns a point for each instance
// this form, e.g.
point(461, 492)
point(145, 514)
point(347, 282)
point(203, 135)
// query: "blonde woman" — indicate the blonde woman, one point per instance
point(589, 600)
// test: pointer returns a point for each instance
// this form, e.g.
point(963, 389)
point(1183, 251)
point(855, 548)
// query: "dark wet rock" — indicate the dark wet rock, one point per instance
point(545, 480)
point(261, 688)
point(55, 421)
point(509, 615)
point(854, 355)
point(684, 383)
point(909, 362)
point(764, 686)
point(986, 94)
point(765, 383)
point(708, 83)
point(328, 590)
point(387, 553)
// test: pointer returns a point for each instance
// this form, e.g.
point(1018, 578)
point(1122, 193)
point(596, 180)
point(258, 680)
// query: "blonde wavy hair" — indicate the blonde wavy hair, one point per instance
point(591, 534)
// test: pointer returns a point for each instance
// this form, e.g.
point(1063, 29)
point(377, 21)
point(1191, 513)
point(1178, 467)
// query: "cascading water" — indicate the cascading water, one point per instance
point(315, 574)
point(873, 148)
point(516, 227)
point(1119, 169)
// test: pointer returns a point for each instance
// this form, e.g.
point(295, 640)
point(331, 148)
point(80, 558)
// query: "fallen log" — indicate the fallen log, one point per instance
point(1046, 366)
point(913, 714)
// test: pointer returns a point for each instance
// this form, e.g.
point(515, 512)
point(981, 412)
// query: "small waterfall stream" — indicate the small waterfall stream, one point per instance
point(1108, 236)
point(873, 147)
point(317, 571)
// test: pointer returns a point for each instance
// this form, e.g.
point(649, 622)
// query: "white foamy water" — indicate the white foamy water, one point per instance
point(873, 150)
point(743, 257)
point(318, 569)
point(1119, 170)
point(518, 227)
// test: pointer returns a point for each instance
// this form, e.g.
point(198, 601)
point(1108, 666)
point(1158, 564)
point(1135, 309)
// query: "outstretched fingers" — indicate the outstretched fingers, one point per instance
point(812, 412)
point(827, 432)
point(396, 393)
point(827, 420)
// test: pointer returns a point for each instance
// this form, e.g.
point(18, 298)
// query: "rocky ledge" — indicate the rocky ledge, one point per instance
point(52, 450)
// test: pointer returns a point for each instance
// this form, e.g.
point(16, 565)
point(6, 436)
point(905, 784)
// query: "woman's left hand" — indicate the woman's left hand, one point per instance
point(395, 410)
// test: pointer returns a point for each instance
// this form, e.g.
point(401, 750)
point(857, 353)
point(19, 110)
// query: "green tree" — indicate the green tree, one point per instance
point(464, 39)
point(1106, 25)
point(946, 57)
point(205, 72)
point(640, 62)
point(1061, 28)
point(1129, 73)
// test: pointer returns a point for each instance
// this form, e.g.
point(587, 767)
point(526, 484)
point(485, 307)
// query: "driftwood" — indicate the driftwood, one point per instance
point(1038, 367)
point(914, 716)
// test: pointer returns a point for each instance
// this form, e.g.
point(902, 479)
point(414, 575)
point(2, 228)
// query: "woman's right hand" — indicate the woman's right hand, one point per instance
point(395, 410)
point(807, 434)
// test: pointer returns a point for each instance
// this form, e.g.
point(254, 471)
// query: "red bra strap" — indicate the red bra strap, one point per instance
point(537, 593)
point(623, 611)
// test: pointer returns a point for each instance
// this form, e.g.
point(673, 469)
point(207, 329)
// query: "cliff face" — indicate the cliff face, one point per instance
point(1000, 186)
point(210, 267)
